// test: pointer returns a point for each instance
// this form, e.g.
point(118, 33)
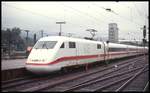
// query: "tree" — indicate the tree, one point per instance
point(12, 39)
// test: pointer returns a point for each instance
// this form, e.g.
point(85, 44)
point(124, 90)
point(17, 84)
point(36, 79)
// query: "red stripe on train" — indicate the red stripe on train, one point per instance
point(75, 58)
point(65, 59)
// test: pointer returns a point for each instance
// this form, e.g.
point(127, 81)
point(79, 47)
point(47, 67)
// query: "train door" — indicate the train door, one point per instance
point(87, 51)
point(72, 52)
point(79, 51)
point(99, 48)
point(104, 52)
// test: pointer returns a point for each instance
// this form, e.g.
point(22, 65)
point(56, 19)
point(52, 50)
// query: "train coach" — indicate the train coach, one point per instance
point(56, 52)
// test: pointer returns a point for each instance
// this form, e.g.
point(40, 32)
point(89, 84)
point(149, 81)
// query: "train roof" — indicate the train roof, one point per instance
point(63, 38)
point(115, 45)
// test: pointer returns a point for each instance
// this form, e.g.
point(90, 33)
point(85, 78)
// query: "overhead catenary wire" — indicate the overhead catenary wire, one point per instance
point(106, 9)
point(143, 15)
point(74, 10)
point(112, 11)
point(84, 13)
point(38, 14)
point(139, 12)
point(131, 21)
point(25, 10)
point(95, 20)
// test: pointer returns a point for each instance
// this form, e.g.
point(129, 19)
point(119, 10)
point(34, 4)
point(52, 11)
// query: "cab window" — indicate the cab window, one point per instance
point(98, 46)
point(45, 45)
point(63, 45)
point(72, 45)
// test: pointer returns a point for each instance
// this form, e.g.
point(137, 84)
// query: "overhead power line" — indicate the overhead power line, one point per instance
point(84, 13)
point(112, 11)
point(34, 13)
point(139, 12)
point(38, 14)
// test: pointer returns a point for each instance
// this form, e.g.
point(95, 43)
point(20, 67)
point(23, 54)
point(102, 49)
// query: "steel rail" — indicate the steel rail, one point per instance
point(146, 87)
point(101, 79)
point(93, 79)
point(126, 83)
point(113, 83)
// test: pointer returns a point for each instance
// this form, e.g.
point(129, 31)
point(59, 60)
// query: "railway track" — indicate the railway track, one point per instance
point(104, 78)
point(27, 82)
point(48, 84)
point(137, 82)
point(137, 87)
point(108, 82)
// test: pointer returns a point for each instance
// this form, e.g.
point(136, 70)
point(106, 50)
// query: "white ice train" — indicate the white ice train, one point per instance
point(55, 52)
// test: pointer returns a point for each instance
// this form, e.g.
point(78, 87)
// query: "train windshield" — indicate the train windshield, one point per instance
point(45, 45)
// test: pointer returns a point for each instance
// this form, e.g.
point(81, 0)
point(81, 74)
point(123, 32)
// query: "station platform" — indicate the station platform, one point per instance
point(12, 64)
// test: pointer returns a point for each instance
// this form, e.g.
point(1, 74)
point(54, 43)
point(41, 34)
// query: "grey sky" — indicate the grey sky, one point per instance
point(79, 16)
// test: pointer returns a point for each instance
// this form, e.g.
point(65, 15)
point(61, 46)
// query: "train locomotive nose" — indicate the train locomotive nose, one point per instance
point(42, 69)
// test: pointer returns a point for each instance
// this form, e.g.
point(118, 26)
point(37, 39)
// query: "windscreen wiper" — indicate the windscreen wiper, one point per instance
point(45, 45)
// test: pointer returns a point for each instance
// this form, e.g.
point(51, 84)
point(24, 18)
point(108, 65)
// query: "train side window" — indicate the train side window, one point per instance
point(63, 45)
point(116, 49)
point(98, 46)
point(72, 45)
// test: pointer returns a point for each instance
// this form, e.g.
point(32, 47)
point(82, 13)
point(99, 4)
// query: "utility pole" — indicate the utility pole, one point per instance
point(26, 41)
point(27, 36)
point(144, 35)
point(60, 26)
point(144, 31)
point(42, 33)
point(107, 61)
point(144, 38)
point(34, 38)
point(9, 45)
point(92, 31)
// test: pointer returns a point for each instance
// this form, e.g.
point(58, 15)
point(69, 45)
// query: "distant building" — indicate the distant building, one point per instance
point(113, 33)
